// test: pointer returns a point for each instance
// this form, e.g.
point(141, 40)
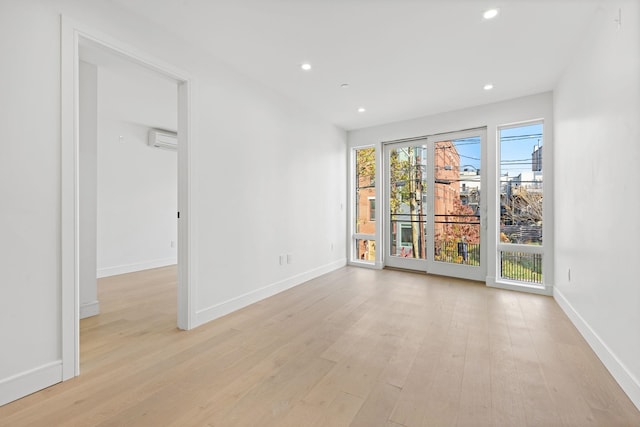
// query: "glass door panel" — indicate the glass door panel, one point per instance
point(406, 204)
point(455, 247)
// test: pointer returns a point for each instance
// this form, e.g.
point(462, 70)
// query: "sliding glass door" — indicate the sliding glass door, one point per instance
point(433, 206)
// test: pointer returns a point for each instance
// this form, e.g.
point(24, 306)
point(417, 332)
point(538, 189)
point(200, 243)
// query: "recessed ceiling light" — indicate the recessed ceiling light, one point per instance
point(488, 86)
point(344, 85)
point(361, 110)
point(490, 13)
point(306, 66)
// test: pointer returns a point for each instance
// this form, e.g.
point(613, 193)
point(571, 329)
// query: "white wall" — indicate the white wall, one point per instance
point(270, 179)
point(88, 206)
point(597, 118)
point(274, 184)
point(137, 188)
point(492, 116)
point(30, 194)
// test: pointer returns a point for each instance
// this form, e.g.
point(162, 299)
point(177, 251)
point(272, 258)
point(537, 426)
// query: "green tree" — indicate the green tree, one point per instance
point(366, 164)
point(365, 180)
point(407, 173)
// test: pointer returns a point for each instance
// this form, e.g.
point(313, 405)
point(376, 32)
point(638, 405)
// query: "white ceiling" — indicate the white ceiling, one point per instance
point(401, 58)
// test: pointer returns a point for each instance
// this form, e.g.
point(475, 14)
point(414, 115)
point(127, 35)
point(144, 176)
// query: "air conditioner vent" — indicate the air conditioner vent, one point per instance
point(165, 139)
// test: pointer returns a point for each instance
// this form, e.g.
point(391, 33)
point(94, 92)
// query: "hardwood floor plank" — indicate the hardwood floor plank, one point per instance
point(507, 401)
point(411, 405)
point(443, 394)
point(378, 406)
point(341, 411)
point(475, 394)
point(354, 347)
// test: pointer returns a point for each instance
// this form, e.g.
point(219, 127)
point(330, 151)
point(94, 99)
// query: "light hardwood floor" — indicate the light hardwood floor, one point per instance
point(355, 347)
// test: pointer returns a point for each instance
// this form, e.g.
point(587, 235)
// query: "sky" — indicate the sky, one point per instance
point(469, 151)
point(516, 146)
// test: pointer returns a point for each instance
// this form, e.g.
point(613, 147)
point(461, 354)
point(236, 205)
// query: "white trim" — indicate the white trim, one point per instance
point(364, 236)
point(517, 124)
point(531, 288)
point(27, 382)
point(629, 383)
point(138, 266)
point(218, 310)
point(70, 304)
point(71, 33)
point(351, 203)
point(89, 309)
point(187, 224)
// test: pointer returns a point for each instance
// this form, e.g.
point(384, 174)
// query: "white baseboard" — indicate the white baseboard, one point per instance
point(28, 382)
point(139, 266)
point(210, 313)
point(621, 374)
point(88, 309)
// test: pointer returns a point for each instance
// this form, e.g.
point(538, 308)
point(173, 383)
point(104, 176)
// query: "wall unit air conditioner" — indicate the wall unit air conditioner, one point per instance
point(165, 139)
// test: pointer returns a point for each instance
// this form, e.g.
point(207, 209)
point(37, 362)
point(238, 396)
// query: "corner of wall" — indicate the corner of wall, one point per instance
point(618, 370)
point(89, 309)
point(211, 313)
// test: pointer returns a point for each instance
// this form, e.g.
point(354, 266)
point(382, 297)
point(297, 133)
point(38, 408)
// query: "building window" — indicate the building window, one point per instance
point(372, 209)
point(406, 235)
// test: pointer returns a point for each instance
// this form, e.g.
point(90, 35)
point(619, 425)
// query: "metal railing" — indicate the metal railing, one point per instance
point(521, 266)
point(457, 252)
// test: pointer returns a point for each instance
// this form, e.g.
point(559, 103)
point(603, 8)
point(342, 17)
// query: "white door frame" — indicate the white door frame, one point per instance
point(71, 34)
point(451, 269)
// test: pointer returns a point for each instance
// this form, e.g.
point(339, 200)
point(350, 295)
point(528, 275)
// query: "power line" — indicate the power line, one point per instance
point(516, 138)
point(516, 160)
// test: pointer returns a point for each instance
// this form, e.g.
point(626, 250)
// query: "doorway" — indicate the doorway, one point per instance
point(433, 204)
point(73, 34)
point(127, 186)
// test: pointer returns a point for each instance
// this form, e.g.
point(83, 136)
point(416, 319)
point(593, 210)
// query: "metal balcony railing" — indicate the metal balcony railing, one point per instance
point(521, 266)
point(457, 252)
